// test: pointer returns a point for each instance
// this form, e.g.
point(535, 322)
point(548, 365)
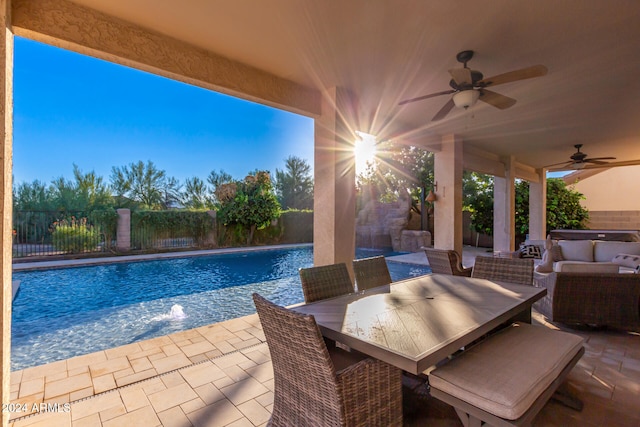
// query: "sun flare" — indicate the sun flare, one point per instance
point(365, 151)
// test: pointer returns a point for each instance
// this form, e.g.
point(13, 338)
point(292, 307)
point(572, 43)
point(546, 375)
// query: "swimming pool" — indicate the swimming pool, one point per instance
point(61, 313)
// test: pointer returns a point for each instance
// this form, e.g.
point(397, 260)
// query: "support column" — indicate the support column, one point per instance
point(538, 207)
point(504, 217)
point(448, 167)
point(334, 203)
point(123, 231)
point(6, 130)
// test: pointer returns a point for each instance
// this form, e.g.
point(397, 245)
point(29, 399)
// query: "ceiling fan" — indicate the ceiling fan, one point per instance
point(470, 85)
point(579, 160)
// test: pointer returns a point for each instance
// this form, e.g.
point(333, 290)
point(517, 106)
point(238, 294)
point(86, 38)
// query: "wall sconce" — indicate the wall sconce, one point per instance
point(431, 197)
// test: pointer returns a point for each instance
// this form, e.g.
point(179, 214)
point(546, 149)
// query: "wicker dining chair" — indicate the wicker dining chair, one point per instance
point(444, 261)
point(315, 386)
point(371, 272)
point(513, 270)
point(326, 281)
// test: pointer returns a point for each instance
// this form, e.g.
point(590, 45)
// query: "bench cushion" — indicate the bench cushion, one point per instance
point(585, 267)
point(506, 373)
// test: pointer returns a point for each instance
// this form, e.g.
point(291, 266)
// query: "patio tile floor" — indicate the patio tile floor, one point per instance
point(221, 375)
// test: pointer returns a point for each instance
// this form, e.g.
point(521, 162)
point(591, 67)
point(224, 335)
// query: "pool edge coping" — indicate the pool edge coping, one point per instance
point(45, 265)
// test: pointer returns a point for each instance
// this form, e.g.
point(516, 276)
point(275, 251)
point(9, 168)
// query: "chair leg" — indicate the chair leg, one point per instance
point(468, 420)
point(567, 398)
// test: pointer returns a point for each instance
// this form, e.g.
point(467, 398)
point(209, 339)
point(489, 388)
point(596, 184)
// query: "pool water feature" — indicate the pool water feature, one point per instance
point(61, 313)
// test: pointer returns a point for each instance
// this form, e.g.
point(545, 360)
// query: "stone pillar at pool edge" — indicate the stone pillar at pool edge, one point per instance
point(123, 233)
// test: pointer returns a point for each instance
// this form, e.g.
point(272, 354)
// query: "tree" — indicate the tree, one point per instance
point(196, 194)
point(399, 169)
point(172, 193)
point(564, 210)
point(477, 193)
point(216, 179)
point(294, 185)
point(250, 204)
point(92, 192)
point(141, 183)
point(33, 196)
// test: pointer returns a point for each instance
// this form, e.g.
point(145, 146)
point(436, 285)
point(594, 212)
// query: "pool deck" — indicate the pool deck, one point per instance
point(221, 375)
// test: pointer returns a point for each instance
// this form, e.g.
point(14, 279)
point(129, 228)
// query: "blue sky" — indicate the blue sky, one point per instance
point(70, 108)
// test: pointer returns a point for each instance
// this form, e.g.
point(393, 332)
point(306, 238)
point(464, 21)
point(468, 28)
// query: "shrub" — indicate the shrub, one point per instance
point(74, 236)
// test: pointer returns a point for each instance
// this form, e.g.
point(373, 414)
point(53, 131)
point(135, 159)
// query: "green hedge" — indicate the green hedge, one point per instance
point(293, 226)
point(148, 226)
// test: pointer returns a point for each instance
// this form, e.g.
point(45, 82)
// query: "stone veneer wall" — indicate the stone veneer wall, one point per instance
point(614, 220)
point(380, 225)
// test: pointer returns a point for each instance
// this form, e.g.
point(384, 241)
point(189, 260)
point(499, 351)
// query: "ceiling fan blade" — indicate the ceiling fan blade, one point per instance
point(462, 76)
point(499, 101)
point(595, 162)
point(431, 95)
point(512, 76)
point(597, 159)
point(443, 111)
point(615, 164)
point(557, 164)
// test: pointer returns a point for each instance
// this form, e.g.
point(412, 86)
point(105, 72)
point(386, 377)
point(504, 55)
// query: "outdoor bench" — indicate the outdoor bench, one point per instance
point(507, 379)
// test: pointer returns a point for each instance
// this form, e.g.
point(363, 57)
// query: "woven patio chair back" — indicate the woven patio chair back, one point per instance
point(317, 387)
point(326, 281)
point(443, 261)
point(513, 270)
point(371, 272)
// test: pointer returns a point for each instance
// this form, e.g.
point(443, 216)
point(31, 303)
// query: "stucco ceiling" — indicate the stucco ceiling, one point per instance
point(389, 50)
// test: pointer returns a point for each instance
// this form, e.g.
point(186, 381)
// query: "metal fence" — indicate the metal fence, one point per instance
point(149, 238)
point(39, 233)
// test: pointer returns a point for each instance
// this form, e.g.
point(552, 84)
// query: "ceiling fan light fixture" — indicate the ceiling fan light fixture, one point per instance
point(466, 98)
point(577, 166)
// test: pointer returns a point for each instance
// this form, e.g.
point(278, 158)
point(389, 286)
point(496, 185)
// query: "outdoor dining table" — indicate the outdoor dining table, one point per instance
point(415, 323)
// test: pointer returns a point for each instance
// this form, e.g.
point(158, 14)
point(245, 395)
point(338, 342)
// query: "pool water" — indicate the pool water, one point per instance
point(61, 313)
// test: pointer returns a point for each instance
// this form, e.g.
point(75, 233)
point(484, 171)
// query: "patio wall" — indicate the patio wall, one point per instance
point(614, 220)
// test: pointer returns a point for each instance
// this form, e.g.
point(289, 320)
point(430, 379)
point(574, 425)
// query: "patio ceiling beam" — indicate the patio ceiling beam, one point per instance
point(481, 161)
point(67, 25)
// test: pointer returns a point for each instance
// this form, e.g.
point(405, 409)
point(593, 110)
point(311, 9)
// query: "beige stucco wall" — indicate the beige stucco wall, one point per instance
point(615, 189)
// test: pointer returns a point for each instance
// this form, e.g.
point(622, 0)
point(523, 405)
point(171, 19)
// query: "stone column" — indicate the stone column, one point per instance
point(334, 184)
point(123, 233)
point(213, 235)
point(538, 207)
point(504, 208)
point(6, 130)
point(448, 166)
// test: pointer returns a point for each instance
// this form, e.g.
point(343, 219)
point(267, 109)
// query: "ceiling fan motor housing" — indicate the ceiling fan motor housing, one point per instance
point(466, 98)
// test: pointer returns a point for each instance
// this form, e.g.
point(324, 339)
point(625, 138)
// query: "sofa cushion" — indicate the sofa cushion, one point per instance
point(605, 251)
point(577, 250)
point(585, 267)
point(505, 373)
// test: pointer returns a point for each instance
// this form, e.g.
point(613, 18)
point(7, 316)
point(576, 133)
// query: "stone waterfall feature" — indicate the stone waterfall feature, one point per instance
point(380, 225)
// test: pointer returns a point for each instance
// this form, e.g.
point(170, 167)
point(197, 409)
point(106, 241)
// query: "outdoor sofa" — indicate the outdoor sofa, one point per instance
point(586, 256)
point(596, 299)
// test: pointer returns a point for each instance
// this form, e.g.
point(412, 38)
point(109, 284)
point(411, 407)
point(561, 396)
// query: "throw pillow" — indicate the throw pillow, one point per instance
point(627, 260)
point(530, 251)
point(556, 253)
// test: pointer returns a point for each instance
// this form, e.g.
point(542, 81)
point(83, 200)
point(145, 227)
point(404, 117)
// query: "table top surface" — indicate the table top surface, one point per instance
point(415, 323)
